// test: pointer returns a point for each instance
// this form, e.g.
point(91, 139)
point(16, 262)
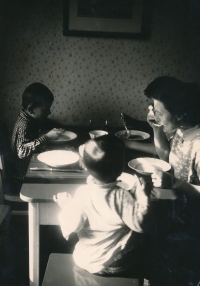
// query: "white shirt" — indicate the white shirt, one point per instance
point(104, 217)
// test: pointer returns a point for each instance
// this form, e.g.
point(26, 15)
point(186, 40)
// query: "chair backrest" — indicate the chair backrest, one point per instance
point(61, 271)
point(10, 199)
point(2, 176)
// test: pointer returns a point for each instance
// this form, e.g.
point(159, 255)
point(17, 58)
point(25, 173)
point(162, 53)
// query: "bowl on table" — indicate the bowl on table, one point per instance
point(58, 158)
point(146, 166)
point(96, 133)
point(134, 135)
point(65, 137)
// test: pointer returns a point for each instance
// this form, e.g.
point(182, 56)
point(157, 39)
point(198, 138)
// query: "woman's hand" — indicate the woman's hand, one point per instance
point(62, 199)
point(151, 119)
point(55, 133)
point(162, 179)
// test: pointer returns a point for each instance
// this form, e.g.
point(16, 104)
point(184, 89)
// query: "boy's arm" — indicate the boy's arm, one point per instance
point(135, 212)
point(25, 147)
point(71, 217)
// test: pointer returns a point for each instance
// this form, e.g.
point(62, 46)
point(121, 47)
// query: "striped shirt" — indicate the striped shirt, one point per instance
point(25, 141)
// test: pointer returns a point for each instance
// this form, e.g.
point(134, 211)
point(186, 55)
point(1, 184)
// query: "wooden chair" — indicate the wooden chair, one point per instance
point(11, 199)
point(61, 271)
point(5, 212)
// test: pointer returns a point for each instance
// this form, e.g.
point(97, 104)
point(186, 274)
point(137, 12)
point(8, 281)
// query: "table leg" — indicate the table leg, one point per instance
point(34, 244)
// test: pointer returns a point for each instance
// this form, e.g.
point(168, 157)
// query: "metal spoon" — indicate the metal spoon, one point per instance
point(127, 133)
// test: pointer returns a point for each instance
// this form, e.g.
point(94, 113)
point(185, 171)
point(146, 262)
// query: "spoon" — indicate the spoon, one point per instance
point(127, 133)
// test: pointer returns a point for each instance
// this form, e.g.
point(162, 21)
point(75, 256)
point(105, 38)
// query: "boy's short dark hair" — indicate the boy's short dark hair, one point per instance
point(35, 94)
point(104, 157)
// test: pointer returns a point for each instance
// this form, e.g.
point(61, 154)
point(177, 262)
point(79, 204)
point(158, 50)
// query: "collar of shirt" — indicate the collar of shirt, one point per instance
point(25, 115)
point(170, 134)
point(189, 134)
point(91, 181)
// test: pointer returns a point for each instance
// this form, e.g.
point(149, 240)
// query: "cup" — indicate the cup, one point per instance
point(97, 133)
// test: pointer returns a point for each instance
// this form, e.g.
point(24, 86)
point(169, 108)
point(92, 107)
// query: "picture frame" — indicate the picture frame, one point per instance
point(104, 18)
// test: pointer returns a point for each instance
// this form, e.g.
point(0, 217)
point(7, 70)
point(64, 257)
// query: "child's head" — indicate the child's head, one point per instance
point(37, 100)
point(104, 157)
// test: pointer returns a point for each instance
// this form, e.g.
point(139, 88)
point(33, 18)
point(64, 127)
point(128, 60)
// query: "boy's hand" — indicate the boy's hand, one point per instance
point(55, 133)
point(162, 179)
point(62, 199)
point(144, 186)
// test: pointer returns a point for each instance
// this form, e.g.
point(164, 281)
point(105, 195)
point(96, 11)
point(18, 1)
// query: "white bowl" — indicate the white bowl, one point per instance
point(58, 158)
point(135, 135)
point(66, 136)
point(97, 133)
point(146, 166)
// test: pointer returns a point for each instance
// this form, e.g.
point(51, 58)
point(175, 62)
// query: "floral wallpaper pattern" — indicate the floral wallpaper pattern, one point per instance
point(91, 78)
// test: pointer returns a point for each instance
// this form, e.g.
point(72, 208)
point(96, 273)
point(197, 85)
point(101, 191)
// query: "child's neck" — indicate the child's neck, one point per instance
point(27, 112)
point(100, 183)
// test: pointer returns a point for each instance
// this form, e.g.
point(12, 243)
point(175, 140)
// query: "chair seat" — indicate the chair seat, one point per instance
point(62, 271)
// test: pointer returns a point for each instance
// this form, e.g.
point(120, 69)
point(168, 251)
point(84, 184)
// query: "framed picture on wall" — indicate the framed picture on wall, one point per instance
point(103, 18)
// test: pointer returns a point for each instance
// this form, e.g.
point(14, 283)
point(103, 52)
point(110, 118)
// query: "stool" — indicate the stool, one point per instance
point(62, 271)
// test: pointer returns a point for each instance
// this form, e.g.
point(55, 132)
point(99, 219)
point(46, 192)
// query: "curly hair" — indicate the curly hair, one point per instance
point(180, 98)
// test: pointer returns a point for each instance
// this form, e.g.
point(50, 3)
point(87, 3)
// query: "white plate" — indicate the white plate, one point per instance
point(66, 136)
point(58, 158)
point(146, 166)
point(135, 135)
point(126, 181)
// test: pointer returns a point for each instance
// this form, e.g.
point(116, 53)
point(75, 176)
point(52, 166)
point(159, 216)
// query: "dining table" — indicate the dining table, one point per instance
point(38, 189)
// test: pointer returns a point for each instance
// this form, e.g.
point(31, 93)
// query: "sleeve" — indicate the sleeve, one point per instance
point(135, 211)
point(25, 147)
point(71, 218)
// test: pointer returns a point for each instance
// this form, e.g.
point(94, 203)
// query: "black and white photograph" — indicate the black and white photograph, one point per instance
point(100, 143)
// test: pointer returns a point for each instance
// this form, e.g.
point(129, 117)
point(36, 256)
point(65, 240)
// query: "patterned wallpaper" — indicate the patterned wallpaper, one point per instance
point(91, 78)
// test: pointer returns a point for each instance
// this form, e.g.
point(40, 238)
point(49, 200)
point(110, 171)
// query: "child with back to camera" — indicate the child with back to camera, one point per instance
point(108, 219)
point(36, 101)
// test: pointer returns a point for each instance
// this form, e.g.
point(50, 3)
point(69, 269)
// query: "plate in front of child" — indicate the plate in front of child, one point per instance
point(134, 135)
point(146, 166)
point(65, 136)
point(58, 158)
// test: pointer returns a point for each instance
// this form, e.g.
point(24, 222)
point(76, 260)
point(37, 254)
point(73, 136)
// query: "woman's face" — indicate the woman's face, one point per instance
point(164, 117)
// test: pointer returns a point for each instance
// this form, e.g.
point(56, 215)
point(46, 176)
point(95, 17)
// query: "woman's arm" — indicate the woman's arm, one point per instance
point(143, 147)
point(161, 146)
point(187, 188)
point(164, 180)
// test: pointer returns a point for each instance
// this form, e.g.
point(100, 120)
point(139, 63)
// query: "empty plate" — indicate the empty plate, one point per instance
point(135, 135)
point(146, 166)
point(66, 136)
point(58, 158)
